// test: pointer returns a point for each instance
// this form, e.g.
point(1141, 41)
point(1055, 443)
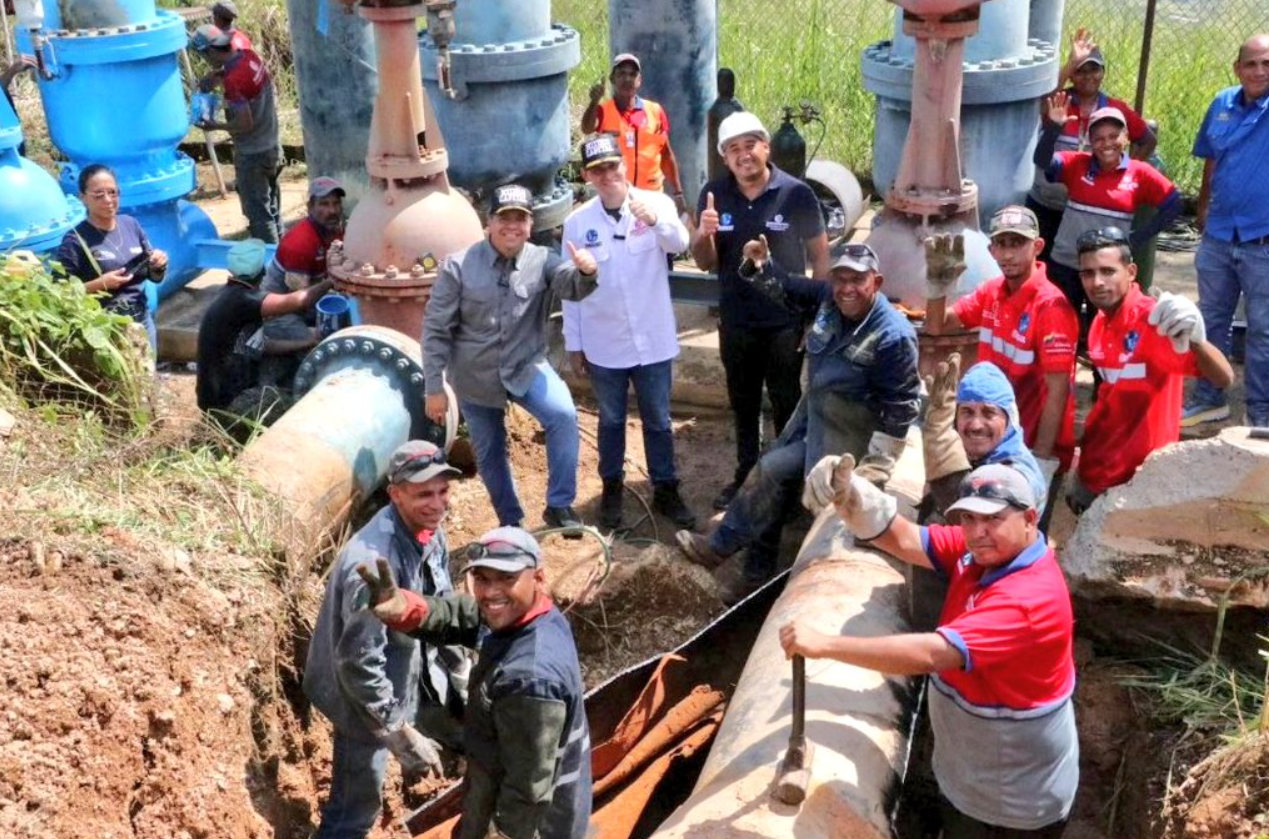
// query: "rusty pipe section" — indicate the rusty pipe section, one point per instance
point(363, 397)
point(858, 720)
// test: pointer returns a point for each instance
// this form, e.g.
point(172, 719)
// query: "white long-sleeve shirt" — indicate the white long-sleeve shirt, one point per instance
point(629, 320)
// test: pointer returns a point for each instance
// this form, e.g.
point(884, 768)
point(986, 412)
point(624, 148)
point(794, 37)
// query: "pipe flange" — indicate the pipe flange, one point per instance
point(1028, 75)
point(551, 207)
point(369, 280)
point(174, 177)
point(163, 35)
point(556, 52)
point(386, 353)
point(46, 234)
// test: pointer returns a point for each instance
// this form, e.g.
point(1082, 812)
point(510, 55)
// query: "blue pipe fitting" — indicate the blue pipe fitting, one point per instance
point(34, 214)
point(509, 78)
point(112, 94)
point(1007, 70)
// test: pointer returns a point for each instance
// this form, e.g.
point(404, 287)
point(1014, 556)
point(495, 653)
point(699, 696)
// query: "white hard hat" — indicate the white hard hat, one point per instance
point(739, 124)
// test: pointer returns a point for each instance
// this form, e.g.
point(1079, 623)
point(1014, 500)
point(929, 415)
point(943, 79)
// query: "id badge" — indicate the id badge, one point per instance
point(630, 139)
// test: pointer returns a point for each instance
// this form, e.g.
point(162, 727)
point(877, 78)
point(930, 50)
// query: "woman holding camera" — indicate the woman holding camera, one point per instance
point(110, 253)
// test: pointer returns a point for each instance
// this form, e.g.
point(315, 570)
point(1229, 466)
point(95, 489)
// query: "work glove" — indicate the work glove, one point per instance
point(943, 451)
point(865, 509)
point(1079, 497)
point(403, 611)
point(817, 489)
point(883, 453)
point(1178, 319)
point(944, 264)
point(418, 755)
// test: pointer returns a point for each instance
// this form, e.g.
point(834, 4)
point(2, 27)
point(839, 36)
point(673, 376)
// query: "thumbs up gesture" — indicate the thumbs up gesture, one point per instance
point(643, 212)
point(708, 222)
point(583, 259)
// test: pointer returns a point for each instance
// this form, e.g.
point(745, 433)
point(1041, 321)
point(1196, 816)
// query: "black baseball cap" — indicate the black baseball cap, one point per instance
point(855, 256)
point(511, 197)
point(600, 149)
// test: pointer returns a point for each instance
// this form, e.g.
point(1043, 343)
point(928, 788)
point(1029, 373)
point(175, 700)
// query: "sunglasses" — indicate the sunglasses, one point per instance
point(992, 490)
point(417, 462)
point(856, 250)
point(480, 550)
point(1091, 240)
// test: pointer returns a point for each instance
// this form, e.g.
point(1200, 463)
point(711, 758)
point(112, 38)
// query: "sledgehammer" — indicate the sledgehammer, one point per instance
point(795, 770)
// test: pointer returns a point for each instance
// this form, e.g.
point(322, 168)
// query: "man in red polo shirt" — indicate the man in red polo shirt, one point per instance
point(1006, 753)
point(1143, 349)
point(1026, 327)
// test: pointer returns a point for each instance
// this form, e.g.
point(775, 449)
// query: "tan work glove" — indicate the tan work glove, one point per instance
point(866, 511)
point(942, 448)
point(944, 264)
point(883, 453)
point(817, 489)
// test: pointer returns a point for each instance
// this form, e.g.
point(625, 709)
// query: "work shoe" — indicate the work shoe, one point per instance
point(610, 503)
point(697, 549)
point(725, 497)
point(563, 517)
point(1197, 413)
point(667, 501)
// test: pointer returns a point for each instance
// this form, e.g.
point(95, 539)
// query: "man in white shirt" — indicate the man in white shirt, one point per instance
point(624, 333)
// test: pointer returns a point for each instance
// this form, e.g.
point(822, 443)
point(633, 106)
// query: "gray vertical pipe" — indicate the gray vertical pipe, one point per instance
point(336, 74)
point(677, 44)
point(1046, 22)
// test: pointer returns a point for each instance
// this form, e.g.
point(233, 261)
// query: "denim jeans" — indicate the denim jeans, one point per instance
point(550, 403)
point(356, 785)
point(652, 390)
point(258, 192)
point(1226, 269)
point(769, 498)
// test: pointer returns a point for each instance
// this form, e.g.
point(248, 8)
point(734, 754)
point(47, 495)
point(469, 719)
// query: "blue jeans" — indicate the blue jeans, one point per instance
point(1224, 270)
point(258, 192)
point(652, 390)
point(356, 785)
point(550, 403)
point(770, 497)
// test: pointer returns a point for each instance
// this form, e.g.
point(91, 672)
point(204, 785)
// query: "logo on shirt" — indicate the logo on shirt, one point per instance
point(1130, 342)
point(639, 227)
point(778, 224)
point(725, 222)
point(592, 237)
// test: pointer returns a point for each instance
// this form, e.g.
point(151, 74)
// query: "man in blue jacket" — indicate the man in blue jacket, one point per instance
point(863, 395)
point(380, 687)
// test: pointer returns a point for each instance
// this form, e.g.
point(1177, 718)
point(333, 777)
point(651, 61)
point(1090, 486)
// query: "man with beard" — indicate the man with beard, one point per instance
point(299, 263)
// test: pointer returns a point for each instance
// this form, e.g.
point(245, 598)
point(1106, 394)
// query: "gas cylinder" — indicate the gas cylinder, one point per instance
point(788, 149)
point(724, 106)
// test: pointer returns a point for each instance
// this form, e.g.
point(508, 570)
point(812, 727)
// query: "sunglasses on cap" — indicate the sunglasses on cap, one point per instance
point(1091, 240)
point(416, 462)
point(480, 550)
point(855, 250)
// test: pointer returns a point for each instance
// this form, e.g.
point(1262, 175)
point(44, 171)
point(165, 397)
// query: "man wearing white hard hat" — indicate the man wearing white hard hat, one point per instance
point(226, 364)
point(759, 339)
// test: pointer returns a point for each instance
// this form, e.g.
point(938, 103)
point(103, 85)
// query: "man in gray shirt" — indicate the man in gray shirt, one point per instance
point(485, 328)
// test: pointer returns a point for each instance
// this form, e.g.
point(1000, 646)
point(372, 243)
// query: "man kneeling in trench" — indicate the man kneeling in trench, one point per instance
point(1006, 754)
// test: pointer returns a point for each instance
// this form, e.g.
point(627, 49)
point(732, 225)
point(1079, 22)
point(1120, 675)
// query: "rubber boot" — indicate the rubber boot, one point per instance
point(610, 503)
point(667, 501)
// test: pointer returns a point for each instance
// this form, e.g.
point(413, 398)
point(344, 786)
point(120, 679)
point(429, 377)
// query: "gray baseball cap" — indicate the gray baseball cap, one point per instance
point(991, 488)
point(855, 256)
point(506, 549)
point(416, 461)
point(1015, 219)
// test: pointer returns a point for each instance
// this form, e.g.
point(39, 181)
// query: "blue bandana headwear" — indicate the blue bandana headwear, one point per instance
point(984, 382)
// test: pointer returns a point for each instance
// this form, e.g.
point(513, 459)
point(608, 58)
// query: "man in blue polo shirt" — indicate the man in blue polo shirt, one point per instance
point(1006, 752)
point(759, 340)
point(1234, 217)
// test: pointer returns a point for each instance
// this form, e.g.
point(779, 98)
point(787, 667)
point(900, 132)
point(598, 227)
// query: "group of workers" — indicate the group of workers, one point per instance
point(388, 663)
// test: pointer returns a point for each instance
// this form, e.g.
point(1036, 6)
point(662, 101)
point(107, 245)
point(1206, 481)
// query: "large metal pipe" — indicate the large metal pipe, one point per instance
point(677, 43)
point(858, 720)
point(335, 67)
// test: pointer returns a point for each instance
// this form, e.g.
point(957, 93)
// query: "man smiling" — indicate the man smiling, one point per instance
point(525, 732)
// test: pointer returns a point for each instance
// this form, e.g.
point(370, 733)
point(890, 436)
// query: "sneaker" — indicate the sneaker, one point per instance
point(1197, 413)
point(697, 549)
point(667, 501)
point(563, 517)
point(610, 504)
point(725, 497)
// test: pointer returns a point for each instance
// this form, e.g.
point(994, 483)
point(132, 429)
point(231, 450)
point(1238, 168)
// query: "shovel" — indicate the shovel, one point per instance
point(795, 770)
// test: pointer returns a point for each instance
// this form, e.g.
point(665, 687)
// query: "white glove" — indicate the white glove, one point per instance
point(817, 490)
point(416, 753)
point(1177, 318)
point(1048, 468)
point(883, 453)
point(866, 510)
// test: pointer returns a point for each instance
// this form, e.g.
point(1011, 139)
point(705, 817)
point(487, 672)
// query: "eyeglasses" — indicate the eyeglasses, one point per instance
point(418, 462)
point(99, 194)
point(1102, 237)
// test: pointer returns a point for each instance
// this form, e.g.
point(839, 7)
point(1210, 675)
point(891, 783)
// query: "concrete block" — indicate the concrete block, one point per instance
point(1191, 525)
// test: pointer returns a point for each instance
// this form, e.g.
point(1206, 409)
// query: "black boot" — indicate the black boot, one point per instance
point(610, 503)
point(667, 501)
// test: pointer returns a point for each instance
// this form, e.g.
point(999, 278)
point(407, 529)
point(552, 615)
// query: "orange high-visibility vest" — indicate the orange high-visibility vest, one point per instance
point(641, 146)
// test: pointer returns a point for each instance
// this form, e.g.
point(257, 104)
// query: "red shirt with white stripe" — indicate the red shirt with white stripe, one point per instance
point(1100, 198)
point(1074, 137)
point(1138, 407)
point(1027, 334)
